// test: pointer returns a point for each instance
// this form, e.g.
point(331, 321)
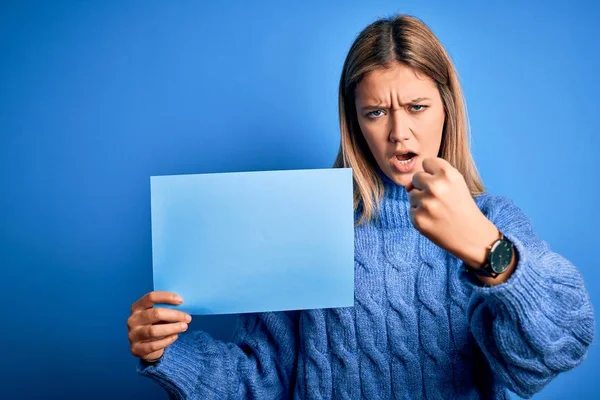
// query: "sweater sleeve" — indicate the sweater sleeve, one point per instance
point(538, 323)
point(259, 363)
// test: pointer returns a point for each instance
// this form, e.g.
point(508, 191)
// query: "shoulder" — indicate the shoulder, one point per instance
point(489, 202)
point(500, 208)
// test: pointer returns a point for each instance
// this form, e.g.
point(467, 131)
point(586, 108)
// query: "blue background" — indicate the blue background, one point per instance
point(95, 97)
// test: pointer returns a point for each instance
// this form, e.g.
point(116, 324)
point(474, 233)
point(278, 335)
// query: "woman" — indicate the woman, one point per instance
point(455, 295)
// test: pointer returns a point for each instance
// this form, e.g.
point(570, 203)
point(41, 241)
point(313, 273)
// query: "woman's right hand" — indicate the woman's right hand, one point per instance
point(151, 330)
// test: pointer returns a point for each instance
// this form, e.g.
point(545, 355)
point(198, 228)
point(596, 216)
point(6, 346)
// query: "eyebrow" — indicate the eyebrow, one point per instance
point(413, 101)
point(419, 99)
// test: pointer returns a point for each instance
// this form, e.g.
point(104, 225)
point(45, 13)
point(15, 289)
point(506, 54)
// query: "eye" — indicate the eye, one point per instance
point(417, 107)
point(375, 114)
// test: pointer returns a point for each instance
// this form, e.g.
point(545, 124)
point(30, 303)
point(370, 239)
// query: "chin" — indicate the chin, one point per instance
point(400, 179)
point(403, 180)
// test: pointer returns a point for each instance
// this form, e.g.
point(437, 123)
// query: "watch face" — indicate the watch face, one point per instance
point(501, 256)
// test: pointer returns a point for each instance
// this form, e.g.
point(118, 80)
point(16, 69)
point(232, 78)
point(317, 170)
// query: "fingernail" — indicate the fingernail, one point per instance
point(184, 326)
point(188, 318)
point(178, 299)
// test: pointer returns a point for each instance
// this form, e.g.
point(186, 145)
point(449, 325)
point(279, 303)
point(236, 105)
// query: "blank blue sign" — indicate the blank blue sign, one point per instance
point(254, 241)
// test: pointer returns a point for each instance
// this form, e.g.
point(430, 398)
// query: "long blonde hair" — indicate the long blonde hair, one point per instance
point(405, 39)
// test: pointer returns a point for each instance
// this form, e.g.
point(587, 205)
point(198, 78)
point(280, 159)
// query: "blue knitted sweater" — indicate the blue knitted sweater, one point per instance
point(421, 327)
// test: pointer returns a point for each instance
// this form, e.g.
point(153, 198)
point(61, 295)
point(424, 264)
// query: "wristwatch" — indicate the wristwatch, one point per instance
point(498, 258)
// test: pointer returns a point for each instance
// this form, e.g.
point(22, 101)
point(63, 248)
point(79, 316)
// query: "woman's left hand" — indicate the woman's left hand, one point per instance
point(444, 211)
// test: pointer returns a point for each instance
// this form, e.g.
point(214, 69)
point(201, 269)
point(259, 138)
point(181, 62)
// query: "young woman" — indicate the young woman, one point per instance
point(455, 295)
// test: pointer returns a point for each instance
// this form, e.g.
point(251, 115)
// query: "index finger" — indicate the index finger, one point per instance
point(150, 299)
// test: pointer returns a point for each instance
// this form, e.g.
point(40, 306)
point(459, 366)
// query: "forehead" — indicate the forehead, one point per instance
point(398, 80)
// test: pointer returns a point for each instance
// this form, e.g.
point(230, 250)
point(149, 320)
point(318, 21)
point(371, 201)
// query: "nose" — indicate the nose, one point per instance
point(399, 129)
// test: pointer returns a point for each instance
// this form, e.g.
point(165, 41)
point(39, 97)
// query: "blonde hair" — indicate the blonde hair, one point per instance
point(407, 40)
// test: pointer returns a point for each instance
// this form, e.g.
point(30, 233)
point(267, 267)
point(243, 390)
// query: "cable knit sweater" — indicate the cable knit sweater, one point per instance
point(421, 327)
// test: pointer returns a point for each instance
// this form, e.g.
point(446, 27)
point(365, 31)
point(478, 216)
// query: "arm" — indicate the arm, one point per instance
point(539, 322)
point(259, 363)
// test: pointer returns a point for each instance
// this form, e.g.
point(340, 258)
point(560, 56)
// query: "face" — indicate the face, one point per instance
point(401, 115)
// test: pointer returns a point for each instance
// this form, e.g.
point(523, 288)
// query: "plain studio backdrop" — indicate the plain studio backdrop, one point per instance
point(97, 96)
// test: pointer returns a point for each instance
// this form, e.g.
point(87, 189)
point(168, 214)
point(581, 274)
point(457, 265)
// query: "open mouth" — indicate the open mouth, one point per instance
point(404, 162)
point(405, 158)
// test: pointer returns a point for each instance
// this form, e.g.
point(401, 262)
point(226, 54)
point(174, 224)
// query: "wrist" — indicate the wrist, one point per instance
point(481, 265)
point(475, 247)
